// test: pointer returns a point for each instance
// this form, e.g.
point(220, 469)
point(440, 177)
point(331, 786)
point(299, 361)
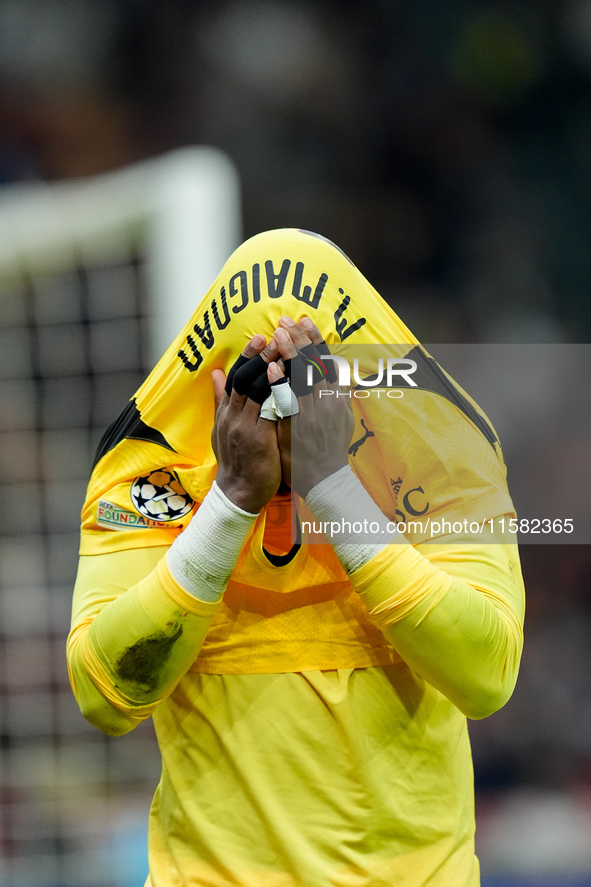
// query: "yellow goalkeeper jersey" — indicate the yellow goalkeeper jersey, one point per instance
point(428, 453)
point(307, 738)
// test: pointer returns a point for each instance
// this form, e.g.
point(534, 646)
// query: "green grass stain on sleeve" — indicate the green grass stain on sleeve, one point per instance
point(143, 662)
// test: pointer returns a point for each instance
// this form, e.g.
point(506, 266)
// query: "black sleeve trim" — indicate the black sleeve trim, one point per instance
point(430, 377)
point(129, 424)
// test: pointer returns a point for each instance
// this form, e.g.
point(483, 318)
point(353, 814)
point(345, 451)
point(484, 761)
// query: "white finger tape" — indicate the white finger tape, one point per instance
point(268, 409)
point(280, 404)
point(286, 403)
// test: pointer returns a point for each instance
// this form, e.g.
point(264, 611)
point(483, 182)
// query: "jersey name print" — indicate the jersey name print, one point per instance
point(244, 287)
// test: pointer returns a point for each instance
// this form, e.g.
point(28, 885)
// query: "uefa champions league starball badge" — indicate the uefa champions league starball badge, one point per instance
point(160, 496)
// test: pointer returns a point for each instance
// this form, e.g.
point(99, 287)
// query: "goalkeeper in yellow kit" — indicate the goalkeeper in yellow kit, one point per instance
point(309, 700)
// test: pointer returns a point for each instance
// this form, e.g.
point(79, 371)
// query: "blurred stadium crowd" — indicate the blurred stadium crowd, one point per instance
point(446, 147)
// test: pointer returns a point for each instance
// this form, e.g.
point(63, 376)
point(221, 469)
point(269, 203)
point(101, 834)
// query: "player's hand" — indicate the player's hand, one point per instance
point(245, 445)
point(314, 443)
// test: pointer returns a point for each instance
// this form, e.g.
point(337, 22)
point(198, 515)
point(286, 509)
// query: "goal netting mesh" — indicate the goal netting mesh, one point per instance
point(96, 277)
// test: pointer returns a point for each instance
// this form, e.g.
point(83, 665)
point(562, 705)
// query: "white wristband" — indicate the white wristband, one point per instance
point(343, 506)
point(201, 560)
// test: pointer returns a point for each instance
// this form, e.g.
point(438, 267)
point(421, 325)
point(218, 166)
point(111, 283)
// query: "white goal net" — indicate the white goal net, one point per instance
point(96, 278)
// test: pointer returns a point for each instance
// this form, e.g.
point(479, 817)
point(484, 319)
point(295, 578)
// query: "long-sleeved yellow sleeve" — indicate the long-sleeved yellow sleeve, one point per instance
point(454, 613)
point(135, 633)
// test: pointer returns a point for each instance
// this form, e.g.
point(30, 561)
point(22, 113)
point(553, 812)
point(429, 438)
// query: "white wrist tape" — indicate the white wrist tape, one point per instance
point(201, 560)
point(281, 403)
point(352, 522)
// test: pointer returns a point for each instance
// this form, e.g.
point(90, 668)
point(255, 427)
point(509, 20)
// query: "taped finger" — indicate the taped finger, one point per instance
point(305, 370)
point(284, 399)
point(233, 370)
point(247, 374)
point(324, 351)
point(260, 389)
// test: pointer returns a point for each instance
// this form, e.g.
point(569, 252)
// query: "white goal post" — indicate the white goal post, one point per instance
point(97, 276)
point(185, 206)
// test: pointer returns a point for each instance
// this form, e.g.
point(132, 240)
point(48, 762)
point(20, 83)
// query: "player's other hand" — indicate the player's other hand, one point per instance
point(314, 443)
point(245, 445)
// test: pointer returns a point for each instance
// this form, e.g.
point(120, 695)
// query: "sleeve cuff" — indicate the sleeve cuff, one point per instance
point(179, 596)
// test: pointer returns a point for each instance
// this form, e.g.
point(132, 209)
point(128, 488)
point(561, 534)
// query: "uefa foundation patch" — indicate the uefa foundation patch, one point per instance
point(159, 496)
point(116, 518)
